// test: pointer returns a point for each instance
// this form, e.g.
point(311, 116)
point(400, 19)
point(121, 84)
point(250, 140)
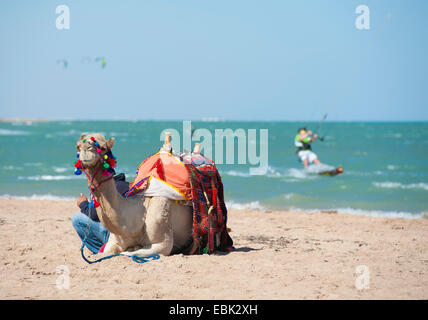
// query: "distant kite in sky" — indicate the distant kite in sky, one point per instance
point(63, 62)
point(86, 59)
point(103, 61)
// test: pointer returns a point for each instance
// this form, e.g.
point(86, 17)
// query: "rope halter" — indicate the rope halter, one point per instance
point(107, 164)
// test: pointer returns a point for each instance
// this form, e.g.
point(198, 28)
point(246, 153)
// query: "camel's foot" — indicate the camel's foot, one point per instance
point(156, 248)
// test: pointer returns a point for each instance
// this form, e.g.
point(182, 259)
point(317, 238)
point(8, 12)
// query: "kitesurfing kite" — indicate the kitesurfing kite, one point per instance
point(103, 61)
point(63, 62)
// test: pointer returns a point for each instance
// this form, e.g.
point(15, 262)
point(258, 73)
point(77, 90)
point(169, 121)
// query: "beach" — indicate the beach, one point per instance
point(279, 255)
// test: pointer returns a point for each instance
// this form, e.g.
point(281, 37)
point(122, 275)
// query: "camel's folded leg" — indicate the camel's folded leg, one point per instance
point(112, 246)
point(158, 229)
point(163, 248)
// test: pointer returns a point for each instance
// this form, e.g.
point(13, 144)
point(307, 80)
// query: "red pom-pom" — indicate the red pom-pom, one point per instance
point(96, 203)
point(78, 164)
point(92, 138)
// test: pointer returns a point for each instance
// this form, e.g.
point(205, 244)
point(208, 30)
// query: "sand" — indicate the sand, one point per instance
point(279, 255)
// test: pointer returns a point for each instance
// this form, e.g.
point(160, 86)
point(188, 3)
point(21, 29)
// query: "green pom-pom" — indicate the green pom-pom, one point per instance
point(106, 165)
point(84, 140)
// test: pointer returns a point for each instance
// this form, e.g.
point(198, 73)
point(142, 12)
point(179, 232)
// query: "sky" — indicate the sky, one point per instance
point(232, 60)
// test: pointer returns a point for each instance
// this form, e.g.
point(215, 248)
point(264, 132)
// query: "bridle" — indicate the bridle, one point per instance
point(107, 164)
point(92, 188)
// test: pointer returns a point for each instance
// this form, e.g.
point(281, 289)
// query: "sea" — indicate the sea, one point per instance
point(385, 164)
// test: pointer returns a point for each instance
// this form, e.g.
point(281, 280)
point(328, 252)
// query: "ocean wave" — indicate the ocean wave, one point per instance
point(368, 213)
point(393, 135)
point(288, 196)
point(391, 167)
point(11, 168)
point(61, 169)
point(235, 173)
point(296, 173)
point(33, 164)
point(68, 133)
point(396, 185)
point(6, 132)
point(254, 205)
point(48, 178)
point(119, 134)
point(37, 197)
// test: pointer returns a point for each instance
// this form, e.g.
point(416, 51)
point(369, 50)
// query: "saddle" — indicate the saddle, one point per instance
point(192, 178)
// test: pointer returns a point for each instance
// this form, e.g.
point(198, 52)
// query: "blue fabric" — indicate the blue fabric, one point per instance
point(97, 235)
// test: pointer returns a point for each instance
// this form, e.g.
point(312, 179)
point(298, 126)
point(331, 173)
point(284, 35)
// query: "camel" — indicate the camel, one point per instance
point(139, 226)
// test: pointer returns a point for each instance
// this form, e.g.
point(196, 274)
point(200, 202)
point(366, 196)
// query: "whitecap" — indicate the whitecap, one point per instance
point(288, 196)
point(369, 213)
point(48, 178)
point(396, 185)
point(254, 205)
point(37, 197)
point(235, 173)
point(6, 132)
point(11, 168)
point(391, 167)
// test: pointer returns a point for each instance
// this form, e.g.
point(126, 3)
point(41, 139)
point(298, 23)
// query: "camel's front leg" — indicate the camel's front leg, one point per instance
point(160, 238)
point(112, 246)
point(163, 248)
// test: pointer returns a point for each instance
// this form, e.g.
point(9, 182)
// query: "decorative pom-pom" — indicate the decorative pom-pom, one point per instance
point(77, 172)
point(96, 144)
point(84, 140)
point(78, 164)
point(106, 165)
point(96, 203)
point(98, 150)
point(105, 173)
point(105, 156)
point(92, 138)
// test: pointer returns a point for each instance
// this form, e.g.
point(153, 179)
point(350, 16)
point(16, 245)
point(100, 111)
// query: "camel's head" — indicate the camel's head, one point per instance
point(92, 148)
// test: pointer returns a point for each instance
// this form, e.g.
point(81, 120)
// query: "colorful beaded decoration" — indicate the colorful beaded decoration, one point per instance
point(109, 163)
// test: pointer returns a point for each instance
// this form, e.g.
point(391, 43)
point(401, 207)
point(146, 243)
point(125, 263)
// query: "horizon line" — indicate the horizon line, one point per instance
point(213, 119)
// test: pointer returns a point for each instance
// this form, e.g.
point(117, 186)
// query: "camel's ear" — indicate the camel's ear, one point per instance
point(110, 143)
point(79, 143)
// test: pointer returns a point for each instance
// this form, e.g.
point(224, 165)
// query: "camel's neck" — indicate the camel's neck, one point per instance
point(107, 195)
